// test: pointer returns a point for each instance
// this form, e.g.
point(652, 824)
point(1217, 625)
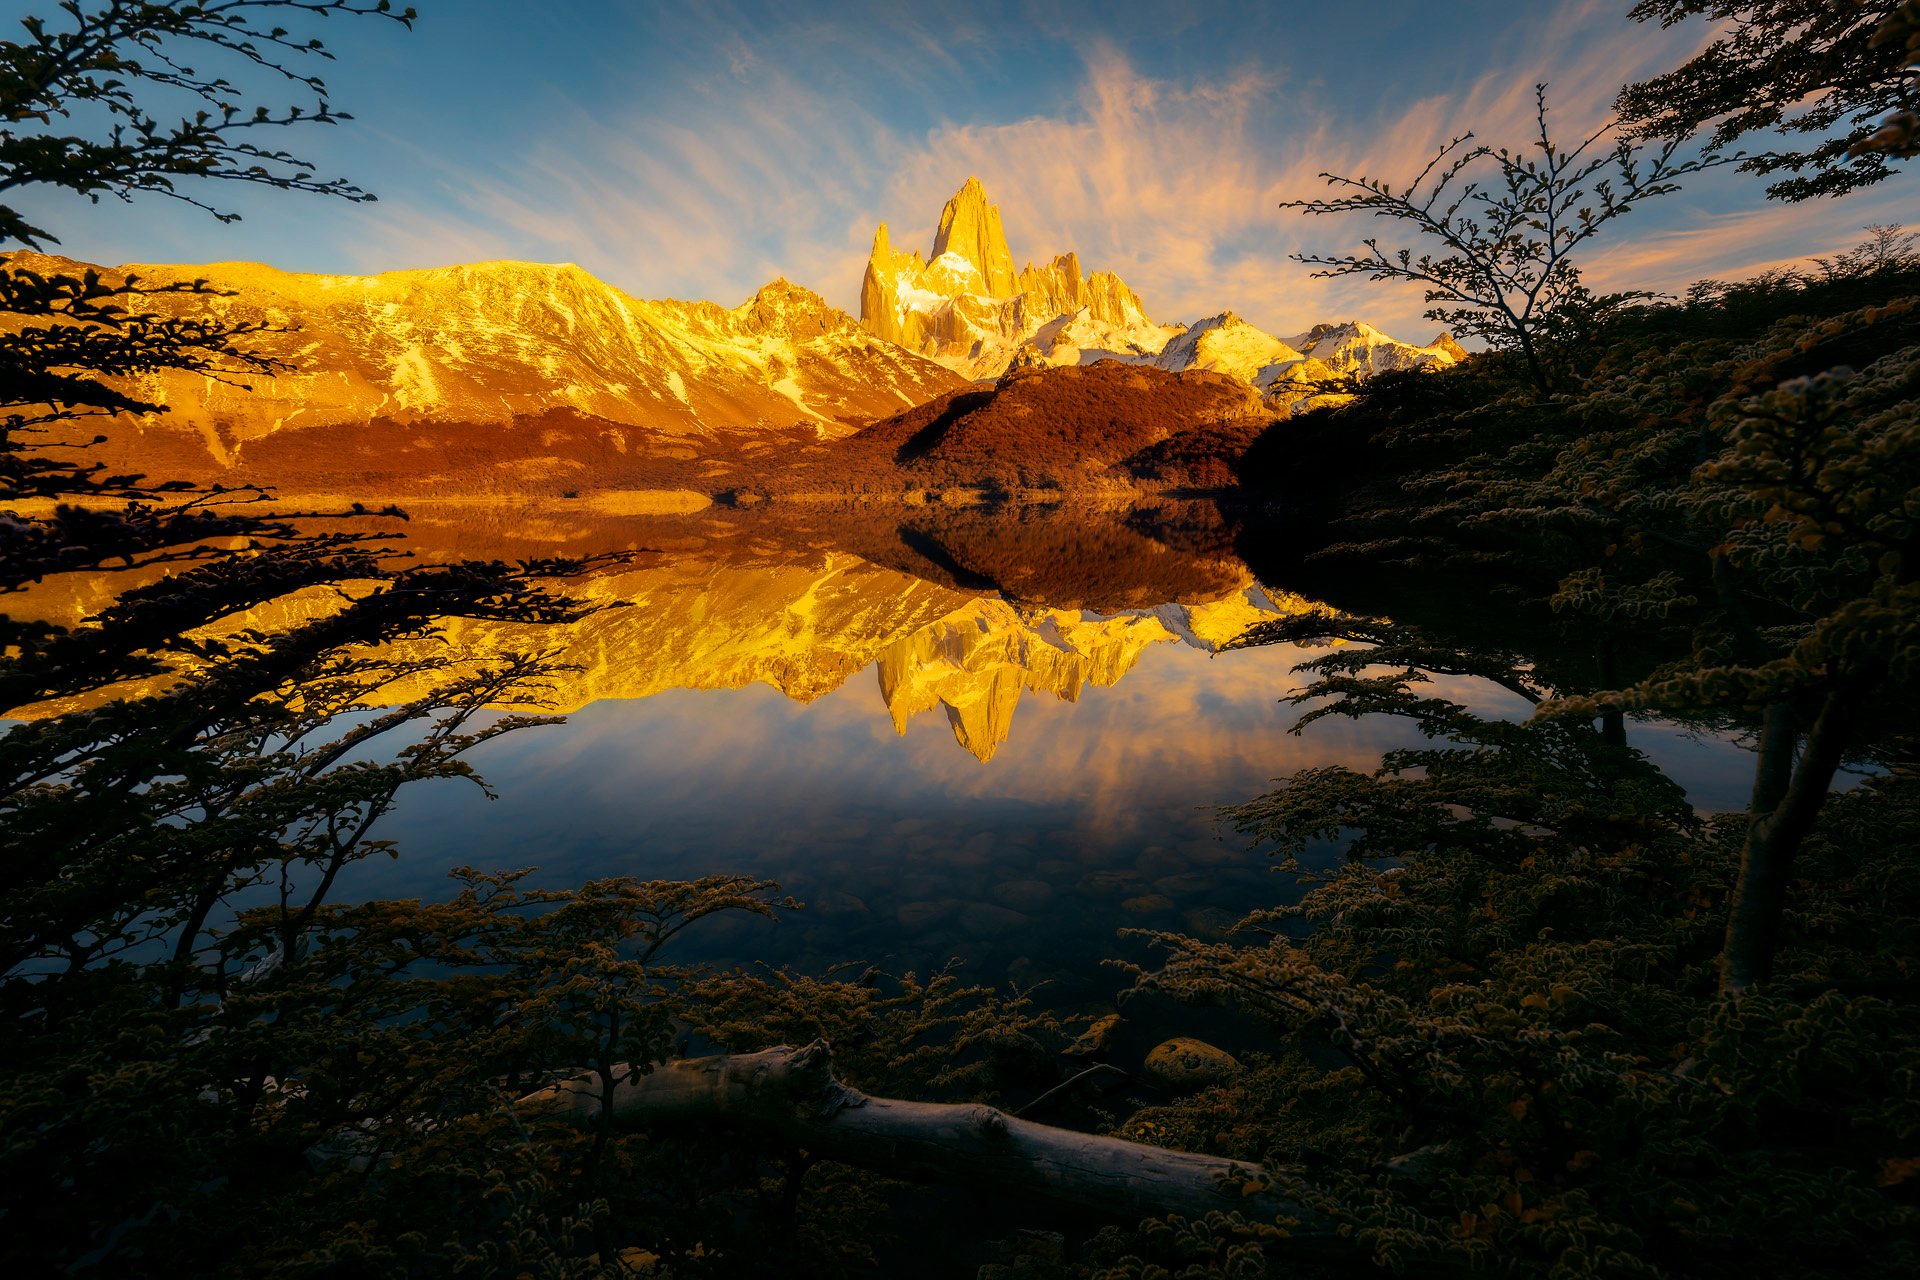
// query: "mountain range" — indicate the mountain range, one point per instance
point(492, 342)
point(964, 306)
point(528, 371)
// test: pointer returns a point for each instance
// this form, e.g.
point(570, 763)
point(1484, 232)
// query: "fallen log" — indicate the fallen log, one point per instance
point(793, 1093)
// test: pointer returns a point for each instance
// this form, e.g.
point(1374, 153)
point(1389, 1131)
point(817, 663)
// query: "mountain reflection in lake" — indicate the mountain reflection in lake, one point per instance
point(997, 735)
point(1007, 775)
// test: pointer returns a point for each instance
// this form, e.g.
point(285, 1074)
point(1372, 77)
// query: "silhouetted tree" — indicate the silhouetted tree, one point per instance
point(77, 115)
point(208, 1064)
point(1503, 1004)
point(1838, 73)
point(189, 787)
point(1504, 270)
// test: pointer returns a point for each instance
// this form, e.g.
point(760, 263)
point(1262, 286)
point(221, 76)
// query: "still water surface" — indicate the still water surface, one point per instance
point(938, 772)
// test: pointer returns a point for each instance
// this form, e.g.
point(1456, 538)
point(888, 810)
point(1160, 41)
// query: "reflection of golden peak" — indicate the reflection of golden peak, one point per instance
point(976, 661)
point(1217, 623)
point(802, 627)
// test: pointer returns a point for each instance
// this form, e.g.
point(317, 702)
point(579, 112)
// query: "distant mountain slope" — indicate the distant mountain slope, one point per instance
point(1307, 371)
point(1360, 350)
point(495, 341)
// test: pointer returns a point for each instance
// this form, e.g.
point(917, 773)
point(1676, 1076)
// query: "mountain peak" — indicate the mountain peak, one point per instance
point(966, 306)
point(791, 310)
point(448, 349)
point(970, 227)
point(1356, 348)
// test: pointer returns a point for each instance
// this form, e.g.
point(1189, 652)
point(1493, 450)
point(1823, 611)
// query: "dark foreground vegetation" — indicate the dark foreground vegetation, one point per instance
point(1581, 1028)
point(1542, 1018)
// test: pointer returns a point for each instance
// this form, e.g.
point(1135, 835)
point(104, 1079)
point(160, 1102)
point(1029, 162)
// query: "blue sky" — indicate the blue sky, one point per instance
point(699, 150)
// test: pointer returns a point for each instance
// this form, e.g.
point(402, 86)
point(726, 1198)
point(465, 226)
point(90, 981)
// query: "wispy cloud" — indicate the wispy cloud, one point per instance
point(791, 141)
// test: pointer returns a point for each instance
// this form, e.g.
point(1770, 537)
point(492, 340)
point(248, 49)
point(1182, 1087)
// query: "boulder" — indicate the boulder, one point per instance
point(1186, 1063)
point(983, 919)
point(1024, 895)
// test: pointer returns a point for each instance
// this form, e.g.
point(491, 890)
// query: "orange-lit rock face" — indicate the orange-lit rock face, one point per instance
point(491, 342)
point(970, 228)
point(966, 307)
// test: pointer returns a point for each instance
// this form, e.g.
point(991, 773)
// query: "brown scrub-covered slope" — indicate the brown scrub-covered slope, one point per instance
point(1063, 428)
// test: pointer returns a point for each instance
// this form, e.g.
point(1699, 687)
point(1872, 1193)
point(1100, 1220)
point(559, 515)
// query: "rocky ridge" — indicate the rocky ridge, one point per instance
point(493, 342)
point(965, 307)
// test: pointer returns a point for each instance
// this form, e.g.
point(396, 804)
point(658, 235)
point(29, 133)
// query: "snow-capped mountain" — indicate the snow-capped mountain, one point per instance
point(1311, 370)
point(966, 307)
point(494, 341)
point(529, 350)
point(1227, 344)
point(1354, 349)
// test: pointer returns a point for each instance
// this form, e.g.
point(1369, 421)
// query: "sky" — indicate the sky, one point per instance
point(701, 150)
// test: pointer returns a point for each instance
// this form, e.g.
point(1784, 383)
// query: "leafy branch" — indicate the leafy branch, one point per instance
point(96, 69)
point(1505, 272)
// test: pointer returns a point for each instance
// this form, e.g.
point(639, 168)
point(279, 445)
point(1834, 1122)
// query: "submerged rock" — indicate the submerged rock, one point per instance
point(918, 915)
point(982, 919)
point(837, 902)
point(1024, 895)
point(1209, 922)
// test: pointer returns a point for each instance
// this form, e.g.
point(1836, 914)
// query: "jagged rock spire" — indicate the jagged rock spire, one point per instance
point(970, 227)
point(967, 307)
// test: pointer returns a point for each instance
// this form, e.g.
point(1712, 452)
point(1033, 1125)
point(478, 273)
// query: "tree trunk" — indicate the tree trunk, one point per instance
point(1787, 796)
point(791, 1093)
point(1613, 721)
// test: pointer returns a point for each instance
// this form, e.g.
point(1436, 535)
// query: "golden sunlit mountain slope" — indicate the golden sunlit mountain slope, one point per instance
point(499, 342)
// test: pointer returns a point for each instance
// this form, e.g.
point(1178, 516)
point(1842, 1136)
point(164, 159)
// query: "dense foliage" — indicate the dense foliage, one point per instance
point(1524, 1026)
point(1501, 1045)
point(219, 1060)
point(1541, 1017)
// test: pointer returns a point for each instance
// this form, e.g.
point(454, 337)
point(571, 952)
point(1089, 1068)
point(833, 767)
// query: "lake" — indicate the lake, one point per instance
point(940, 770)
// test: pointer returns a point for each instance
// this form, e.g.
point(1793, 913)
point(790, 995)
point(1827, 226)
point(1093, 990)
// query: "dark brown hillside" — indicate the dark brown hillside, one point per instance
point(1060, 426)
point(1067, 428)
point(538, 455)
